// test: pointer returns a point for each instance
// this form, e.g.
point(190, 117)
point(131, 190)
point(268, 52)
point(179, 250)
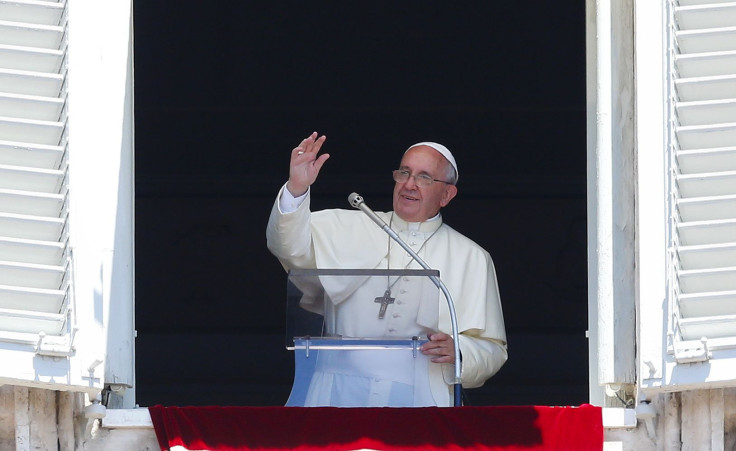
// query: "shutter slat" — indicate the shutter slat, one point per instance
point(708, 256)
point(31, 131)
point(702, 2)
point(30, 11)
point(30, 203)
point(706, 136)
point(707, 208)
point(31, 276)
point(31, 179)
point(32, 299)
point(31, 227)
point(706, 16)
point(31, 107)
point(706, 88)
point(32, 155)
point(707, 160)
point(30, 58)
point(708, 327)
point(709, 184)
point(707, 64)
point(31, 83)
point(30, 35)
point(31, 251)
point(707, 232)
point(707, 280)
point(23, 320)
point(708, 112)
point(708, 40)
point(708, 304)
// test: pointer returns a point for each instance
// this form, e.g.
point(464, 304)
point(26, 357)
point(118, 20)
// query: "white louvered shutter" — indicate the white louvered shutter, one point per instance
point(702, 333)
point(34, 261)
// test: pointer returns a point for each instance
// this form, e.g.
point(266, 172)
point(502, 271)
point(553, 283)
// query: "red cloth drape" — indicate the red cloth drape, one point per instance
point(426, 428)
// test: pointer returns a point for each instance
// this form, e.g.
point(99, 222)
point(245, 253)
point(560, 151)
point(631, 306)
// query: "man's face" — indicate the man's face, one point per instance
point(417, 204)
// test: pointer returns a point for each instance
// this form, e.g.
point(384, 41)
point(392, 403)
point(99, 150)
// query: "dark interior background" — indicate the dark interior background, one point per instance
point(224, 91)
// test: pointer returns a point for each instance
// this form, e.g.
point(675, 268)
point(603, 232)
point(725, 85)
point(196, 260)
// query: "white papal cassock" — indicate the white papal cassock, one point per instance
point(349, 239)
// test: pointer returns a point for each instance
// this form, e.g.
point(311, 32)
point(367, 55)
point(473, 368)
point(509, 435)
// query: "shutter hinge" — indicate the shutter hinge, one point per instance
point(692, 351)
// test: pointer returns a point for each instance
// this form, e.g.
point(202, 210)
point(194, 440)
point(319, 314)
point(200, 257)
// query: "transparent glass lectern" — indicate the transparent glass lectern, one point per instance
point(356, 335)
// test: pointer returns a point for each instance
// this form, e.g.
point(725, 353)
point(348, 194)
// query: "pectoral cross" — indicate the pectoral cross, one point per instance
point(384, 300)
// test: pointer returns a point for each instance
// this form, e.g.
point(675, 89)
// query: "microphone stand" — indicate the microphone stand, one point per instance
point(356, 200)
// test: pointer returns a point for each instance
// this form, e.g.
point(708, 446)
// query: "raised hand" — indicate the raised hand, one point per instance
point(305, 164)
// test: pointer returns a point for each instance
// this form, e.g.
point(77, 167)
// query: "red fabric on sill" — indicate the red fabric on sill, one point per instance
point(426, 428)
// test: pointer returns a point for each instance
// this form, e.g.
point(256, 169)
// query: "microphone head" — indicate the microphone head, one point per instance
point(355, 199)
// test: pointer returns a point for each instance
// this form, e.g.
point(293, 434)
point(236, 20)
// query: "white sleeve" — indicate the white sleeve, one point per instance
point(288, 203)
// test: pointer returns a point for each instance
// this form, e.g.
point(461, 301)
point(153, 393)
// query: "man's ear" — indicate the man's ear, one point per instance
point(448, 195)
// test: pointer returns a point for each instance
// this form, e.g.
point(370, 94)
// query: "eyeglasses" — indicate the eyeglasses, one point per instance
point(422, 180)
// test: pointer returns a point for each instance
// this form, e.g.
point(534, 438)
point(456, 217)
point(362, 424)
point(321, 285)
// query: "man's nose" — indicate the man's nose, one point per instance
point(411, 182)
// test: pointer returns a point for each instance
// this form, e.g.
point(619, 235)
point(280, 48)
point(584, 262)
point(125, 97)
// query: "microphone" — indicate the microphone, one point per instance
point(356, 200)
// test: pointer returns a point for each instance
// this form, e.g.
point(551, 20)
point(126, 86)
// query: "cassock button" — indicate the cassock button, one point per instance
point(396, 315)
point(402, 291)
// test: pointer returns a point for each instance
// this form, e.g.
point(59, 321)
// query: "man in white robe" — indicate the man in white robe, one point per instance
point(425, 182)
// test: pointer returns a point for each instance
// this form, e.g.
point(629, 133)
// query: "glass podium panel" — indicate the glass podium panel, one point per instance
point(356, 336)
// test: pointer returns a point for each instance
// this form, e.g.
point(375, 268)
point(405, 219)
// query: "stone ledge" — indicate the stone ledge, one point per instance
point(138, 418)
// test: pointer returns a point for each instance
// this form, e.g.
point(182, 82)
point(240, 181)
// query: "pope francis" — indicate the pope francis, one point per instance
point(424, 183)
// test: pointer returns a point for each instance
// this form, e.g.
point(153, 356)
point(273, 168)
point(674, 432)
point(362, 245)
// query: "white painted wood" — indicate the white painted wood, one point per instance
point(101, 185)
point(595, 390)
point(612, 191)
point(651, 214)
